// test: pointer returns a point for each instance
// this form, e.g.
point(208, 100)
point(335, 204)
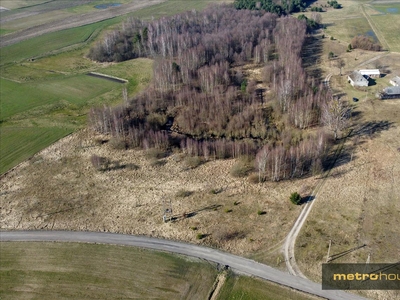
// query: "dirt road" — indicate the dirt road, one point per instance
point(75, 21)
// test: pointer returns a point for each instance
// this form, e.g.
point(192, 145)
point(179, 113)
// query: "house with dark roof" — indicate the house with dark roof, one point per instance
point(390, 92)
point(395, 81)
point(357, 79)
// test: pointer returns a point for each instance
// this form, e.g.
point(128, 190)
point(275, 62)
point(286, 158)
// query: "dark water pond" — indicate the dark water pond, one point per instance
point(107, 5)
point(371, 33)
point(392, 10)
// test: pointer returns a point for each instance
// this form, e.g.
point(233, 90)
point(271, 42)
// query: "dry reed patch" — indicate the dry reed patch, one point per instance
point(60, 189)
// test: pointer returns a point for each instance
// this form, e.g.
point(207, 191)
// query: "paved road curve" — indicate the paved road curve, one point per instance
point(237, 263)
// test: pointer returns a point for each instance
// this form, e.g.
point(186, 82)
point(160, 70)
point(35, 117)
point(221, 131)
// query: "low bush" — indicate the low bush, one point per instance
point(193, 162)
point(215, 191)
point(118, 144)
point(256, 178)
point(183, 193)
point(200, 236)
point(241, 168)
point(155, 153)
point(295, 198)
point(100, 163)
point(157, 162)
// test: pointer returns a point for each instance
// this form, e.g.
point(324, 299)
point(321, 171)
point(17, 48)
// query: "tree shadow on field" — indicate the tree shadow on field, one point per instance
point(367, 129)
point(311, 54)
point(371, 128)
point(195, 212)
point(334, 159)
point(306, 199)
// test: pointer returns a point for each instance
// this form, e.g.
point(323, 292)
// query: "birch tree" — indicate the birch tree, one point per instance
point(336, 115)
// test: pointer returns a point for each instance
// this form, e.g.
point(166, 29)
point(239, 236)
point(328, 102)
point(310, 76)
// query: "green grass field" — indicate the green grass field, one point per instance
point(18, 144)
point(386, 24)
point(14, 4)
point(47, 43)
point(88, 271)
point(173, 7)
point(246, 288)
point(77, 90)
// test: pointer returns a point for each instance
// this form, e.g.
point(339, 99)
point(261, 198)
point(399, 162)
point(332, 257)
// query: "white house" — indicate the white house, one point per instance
point(357, 79)
point(373, 73)
point(395, 81)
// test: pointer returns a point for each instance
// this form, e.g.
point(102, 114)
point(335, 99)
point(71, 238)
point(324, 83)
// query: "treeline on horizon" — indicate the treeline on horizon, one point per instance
point(200, 99)
point(280, 7)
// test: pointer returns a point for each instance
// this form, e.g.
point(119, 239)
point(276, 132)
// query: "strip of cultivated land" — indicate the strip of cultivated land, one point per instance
point(74, 21)
point(89, 271)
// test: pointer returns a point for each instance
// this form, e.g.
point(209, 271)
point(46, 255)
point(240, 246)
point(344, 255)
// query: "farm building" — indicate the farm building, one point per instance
point(395, 81)
point(391, 92)
point(373, 73)
point(357, 79)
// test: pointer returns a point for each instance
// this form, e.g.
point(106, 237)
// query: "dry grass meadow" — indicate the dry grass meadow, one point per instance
point(60, 189)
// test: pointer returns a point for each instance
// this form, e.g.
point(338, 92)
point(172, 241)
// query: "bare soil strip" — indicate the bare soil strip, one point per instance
point(75, 21)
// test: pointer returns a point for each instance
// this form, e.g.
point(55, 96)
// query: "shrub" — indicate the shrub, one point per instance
point(236, 203)
point(200, 236)
point(228, 210)
point(255, 178)
point(100, 163)
point(228, 234)
point(365, 43)
point(215, 191)
point(261, 212)
point(155, 153)
point(295, 198)
point(100, 141)
point(194, 228)
point(132, 166)
point(118, 144)
point(183, 193)
point(157, 162)
point(241, 169)
point(193, 162)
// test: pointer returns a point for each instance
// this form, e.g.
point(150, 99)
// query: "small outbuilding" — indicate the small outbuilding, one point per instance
point(395, 81)
point(357, 79)
point(390, 92)
point(373, 73)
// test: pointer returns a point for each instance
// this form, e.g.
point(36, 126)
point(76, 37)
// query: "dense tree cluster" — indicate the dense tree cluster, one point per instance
point(334, 4)
point(199, 99)
point(365, 43)
point(278, 7)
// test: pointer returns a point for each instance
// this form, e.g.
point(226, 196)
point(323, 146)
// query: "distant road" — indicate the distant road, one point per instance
point(237, 263)
point(75, 21)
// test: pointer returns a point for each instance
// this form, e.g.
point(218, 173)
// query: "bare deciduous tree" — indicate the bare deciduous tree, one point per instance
point(336, 115)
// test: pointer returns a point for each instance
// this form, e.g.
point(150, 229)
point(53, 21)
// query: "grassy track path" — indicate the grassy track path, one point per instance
point(378, 34)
